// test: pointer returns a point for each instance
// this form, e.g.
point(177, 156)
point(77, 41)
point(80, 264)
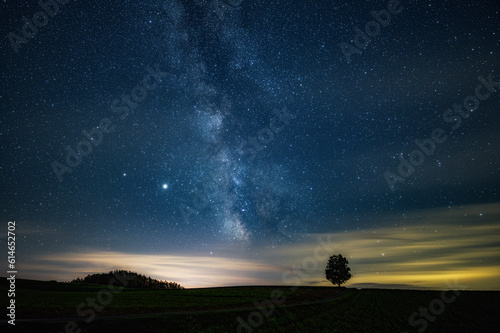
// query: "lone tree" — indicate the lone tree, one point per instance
point(337, 271)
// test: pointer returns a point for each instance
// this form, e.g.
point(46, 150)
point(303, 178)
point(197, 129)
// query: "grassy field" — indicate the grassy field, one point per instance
point(307, 309)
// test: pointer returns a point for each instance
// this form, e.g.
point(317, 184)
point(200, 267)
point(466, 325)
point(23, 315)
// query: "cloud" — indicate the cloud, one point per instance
point(440, 245)
point(189, 271)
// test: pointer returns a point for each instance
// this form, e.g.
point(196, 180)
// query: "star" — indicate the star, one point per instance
point(165, 186)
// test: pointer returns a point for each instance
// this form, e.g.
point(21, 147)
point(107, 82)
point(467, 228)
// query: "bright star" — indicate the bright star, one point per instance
point(165, 186)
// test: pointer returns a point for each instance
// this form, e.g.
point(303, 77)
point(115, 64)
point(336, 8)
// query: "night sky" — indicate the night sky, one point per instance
point(220, 142)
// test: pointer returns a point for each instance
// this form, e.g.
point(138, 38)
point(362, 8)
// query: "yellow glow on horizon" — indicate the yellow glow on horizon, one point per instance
point(422, 255)
point(189, 271)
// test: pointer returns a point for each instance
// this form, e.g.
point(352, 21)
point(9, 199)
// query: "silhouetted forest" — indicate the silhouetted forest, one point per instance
point(127, 279)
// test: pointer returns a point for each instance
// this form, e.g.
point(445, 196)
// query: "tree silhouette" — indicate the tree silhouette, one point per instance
point(337, 271)
point(134, 280)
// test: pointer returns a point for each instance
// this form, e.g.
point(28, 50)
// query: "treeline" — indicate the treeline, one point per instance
point(127, 279)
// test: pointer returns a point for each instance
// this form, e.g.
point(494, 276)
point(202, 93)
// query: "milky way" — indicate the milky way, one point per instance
point(238, 195)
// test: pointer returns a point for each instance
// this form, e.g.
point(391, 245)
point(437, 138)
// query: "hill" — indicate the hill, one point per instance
point(128, 279)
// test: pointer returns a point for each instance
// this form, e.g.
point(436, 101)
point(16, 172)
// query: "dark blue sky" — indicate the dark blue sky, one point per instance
point(254, 131)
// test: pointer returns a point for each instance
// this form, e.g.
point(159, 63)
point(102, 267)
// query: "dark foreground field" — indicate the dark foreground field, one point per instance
point(54, 306)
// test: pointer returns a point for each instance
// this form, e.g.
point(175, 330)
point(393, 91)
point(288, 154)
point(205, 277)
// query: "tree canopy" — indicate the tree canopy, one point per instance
point(134, 280)
point(337, 271)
